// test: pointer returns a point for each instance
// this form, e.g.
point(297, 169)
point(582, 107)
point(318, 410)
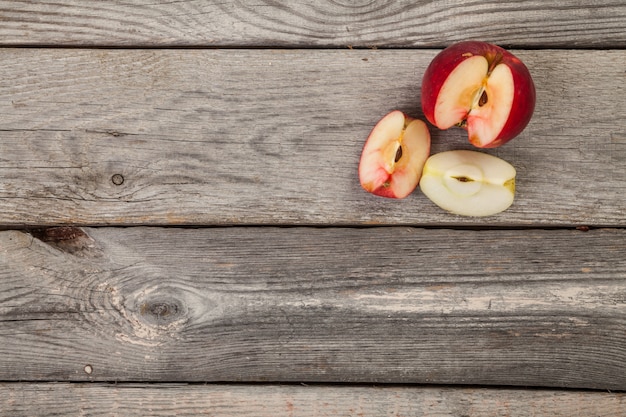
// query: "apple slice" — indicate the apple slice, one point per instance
point(480, 87)
point(469, 183)
point(394, 155)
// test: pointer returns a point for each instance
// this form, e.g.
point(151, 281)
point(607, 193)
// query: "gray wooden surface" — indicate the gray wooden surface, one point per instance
point(528, 308)
point(197, 144)
point(362, 23)
point(148, 129)
point(311, 401)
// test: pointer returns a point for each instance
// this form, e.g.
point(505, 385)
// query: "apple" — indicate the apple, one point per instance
point(469, 183)
point(480, 87)
point(393, 156)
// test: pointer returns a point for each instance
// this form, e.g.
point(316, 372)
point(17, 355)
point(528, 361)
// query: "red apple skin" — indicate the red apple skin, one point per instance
point(448, 59)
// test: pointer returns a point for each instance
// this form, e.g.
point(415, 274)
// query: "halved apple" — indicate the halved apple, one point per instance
point(480, 87)
point(394, 155)
point(469, 183)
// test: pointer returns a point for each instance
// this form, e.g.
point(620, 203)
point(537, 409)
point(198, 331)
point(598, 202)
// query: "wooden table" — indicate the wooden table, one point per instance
point(183, 230)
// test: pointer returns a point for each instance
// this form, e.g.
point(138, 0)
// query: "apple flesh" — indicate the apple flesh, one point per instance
point(393, 156)
point(480, 87)
point(469, 183)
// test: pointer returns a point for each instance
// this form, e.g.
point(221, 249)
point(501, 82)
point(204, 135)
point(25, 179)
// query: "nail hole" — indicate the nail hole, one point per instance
point(117, 179)
point(88, 369)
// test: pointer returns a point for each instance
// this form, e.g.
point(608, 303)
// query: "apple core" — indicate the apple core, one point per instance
point(464, 180)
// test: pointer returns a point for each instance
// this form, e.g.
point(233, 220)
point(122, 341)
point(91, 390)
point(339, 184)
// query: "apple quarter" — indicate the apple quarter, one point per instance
point(393, 156)
point(469, 183)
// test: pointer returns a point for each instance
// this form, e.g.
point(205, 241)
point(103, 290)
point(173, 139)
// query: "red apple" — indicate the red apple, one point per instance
point(480, 87)
point(394, 155)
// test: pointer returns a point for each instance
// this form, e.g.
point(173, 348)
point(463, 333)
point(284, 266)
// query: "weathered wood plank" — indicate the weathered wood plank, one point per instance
point(276, 401)
point(201, 137)
point(405, 23)
point(527, 308)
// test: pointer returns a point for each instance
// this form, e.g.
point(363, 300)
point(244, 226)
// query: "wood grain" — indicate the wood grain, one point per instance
point(380, 23)
point(400, 305)
point(315, 401)
point(240, 137)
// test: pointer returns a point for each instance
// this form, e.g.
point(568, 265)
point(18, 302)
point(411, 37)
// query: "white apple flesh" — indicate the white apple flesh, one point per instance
point(393, 156)
point(469, 183)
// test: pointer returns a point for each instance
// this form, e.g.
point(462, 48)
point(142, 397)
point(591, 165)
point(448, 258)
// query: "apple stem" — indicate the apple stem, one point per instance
point(494, 61)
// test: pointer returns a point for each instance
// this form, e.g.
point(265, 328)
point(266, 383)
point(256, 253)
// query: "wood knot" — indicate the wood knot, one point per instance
point(68, 239)
point(166, 309)
point(162, 311)
point(59, 234)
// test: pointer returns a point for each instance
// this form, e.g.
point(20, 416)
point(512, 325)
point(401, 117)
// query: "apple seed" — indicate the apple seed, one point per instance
point(483, 99)
point(398, 154)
